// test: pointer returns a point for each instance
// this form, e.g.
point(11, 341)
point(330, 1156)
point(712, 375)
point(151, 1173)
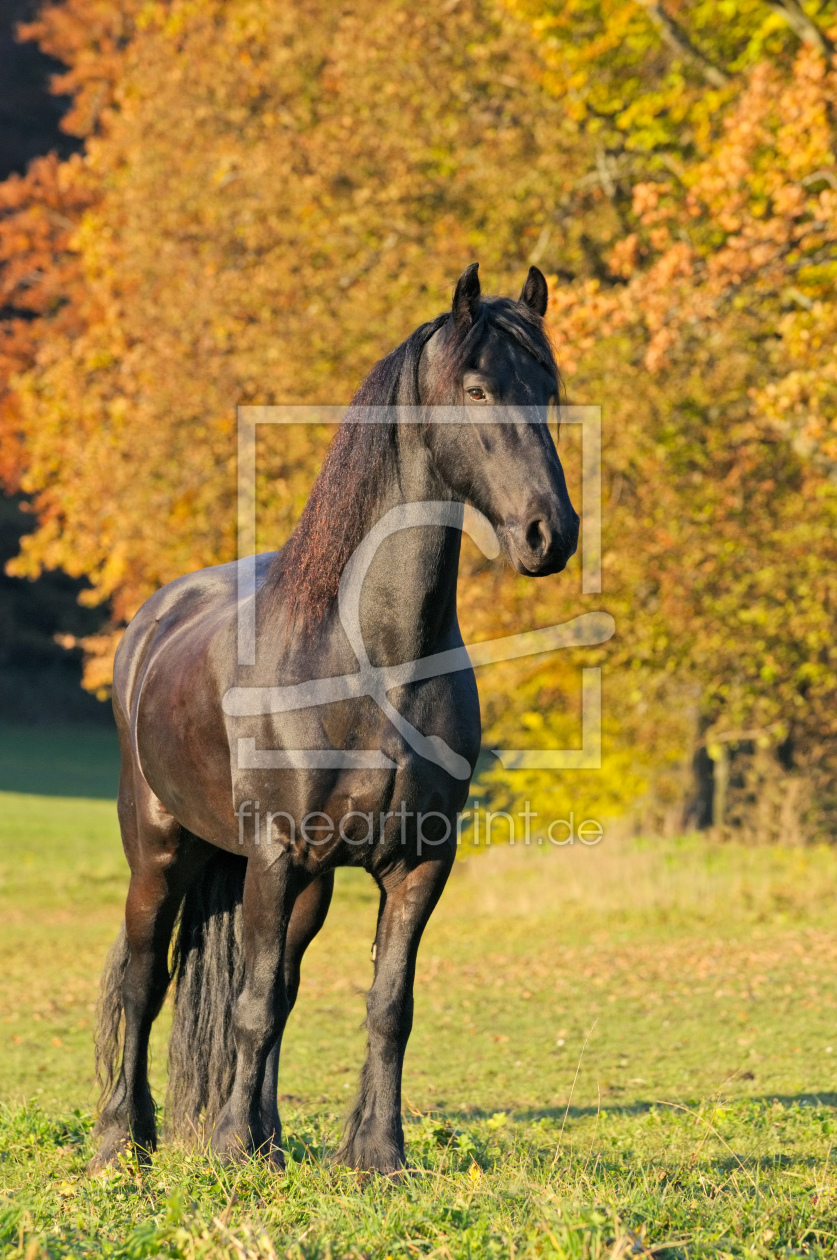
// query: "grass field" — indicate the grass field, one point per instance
point(699, 1119)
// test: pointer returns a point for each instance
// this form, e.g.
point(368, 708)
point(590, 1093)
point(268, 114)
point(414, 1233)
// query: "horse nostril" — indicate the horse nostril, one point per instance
point(537, 537)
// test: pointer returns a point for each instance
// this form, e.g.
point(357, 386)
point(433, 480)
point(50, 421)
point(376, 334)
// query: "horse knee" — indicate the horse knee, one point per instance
point(292, 979)
point(259, 1016)
point(388, 1018)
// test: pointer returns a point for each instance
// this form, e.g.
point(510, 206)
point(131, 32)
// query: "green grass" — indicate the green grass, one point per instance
point(699, 1119)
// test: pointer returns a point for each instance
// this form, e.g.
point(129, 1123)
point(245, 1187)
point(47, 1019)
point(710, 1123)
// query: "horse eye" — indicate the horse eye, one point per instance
point(476, 393)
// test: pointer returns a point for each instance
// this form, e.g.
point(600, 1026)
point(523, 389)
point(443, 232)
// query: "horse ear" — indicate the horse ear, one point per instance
point(535, 293)
point(466, 299)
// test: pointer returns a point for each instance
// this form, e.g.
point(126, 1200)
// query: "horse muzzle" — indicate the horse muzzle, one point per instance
point(539, 546)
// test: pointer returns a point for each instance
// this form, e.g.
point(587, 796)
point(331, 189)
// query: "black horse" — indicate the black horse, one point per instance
point(232, 830)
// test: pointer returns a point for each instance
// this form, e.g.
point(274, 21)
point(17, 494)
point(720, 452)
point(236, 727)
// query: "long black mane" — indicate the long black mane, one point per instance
point(363, 457)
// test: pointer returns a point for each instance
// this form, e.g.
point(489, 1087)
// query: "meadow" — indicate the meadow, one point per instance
point(622, 1050)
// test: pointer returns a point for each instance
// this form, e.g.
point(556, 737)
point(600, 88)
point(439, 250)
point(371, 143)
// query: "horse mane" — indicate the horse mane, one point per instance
point(362, 459)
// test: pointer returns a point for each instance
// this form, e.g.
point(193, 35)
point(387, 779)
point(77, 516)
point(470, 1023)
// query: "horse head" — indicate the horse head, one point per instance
point(491, 362)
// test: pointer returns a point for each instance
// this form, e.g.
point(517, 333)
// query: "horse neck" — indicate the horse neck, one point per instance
point(408, 601)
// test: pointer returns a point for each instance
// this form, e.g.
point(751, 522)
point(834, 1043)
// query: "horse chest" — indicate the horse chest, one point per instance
point(372, 818)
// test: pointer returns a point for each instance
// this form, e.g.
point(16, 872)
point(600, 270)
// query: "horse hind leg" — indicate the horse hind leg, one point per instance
point(134, 986)
point(307, 917)
point(162, 858)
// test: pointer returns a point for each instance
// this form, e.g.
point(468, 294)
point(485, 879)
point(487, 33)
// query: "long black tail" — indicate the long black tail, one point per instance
point(109, 1022)
point(209, 966)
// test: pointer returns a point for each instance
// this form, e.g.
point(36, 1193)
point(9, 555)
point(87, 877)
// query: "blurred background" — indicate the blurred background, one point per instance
point(243, 202)
point(45, 714)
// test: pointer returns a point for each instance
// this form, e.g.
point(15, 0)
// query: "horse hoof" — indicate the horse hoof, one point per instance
point(115, 1143)
point(274, 1155)
point(230, 1150)
point(228, 1145)
point(372, 1157)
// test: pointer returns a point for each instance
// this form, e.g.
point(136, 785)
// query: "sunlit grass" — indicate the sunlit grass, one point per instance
point(698, 1119)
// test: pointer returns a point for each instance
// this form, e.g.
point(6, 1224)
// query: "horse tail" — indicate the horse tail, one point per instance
point(208, 963)
point(109, 1022)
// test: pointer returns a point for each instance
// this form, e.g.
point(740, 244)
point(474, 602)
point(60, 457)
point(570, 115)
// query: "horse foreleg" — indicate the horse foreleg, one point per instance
point(308, 916)
point(270, 889)
point(374, 1137)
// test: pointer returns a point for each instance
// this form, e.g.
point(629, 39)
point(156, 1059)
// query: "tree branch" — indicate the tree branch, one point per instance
point(679, 42)
point(803, 26)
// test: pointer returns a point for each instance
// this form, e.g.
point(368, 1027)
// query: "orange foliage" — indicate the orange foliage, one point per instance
point(39, 279)
point(719, 307)
point(281, 194)
point(41, 272)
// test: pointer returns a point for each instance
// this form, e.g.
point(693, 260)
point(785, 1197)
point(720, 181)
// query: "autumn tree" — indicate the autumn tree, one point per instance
point(699, 253)
point(270, 198)
point(42, 286)
point(281, 194)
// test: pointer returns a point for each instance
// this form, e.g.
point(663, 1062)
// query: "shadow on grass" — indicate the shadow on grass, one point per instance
point(638, 1108)
point(57, 759)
